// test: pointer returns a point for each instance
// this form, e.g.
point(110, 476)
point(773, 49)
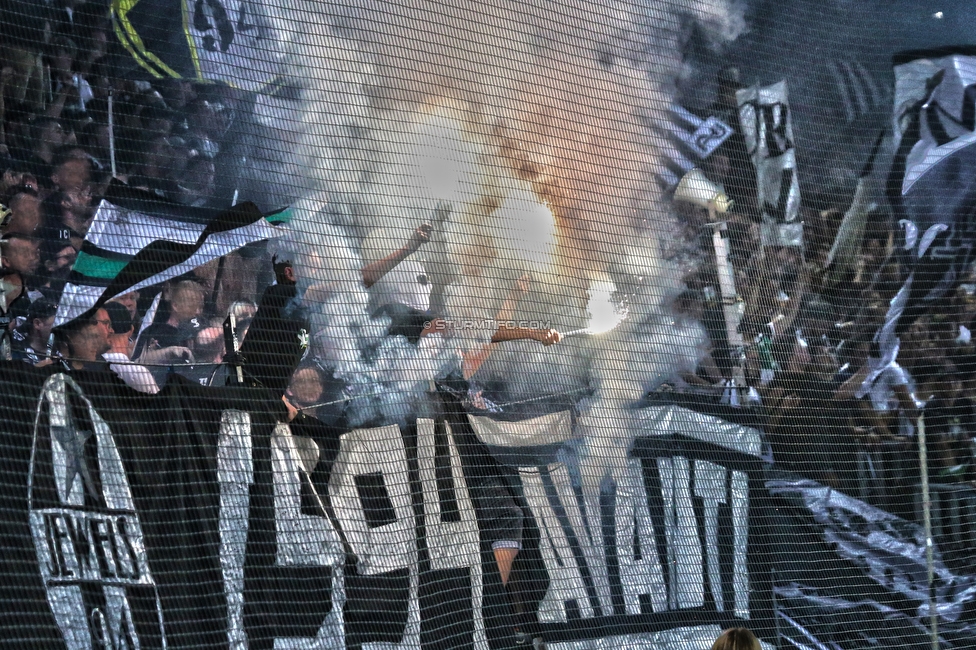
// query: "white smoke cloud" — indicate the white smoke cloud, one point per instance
point(517, 129)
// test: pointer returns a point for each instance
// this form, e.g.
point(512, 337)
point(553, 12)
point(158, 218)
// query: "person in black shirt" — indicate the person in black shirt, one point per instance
point(19, 259)
point(277, 339)
point(186, 302)
point(31, 340)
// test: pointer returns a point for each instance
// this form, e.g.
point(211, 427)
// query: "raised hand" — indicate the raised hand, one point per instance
point(420, 236)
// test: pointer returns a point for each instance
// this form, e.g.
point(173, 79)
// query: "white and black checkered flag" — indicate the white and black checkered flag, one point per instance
point(690, 139)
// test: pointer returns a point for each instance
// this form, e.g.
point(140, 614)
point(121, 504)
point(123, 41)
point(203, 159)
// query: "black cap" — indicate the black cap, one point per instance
point(120, 316)
point(41, 308)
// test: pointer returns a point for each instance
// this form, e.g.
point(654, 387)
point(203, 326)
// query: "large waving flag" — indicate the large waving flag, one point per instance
point(138, 240)
point(237, 41)
point(932, 185)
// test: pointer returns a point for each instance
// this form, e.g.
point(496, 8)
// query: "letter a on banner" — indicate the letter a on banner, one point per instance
point(566, 582)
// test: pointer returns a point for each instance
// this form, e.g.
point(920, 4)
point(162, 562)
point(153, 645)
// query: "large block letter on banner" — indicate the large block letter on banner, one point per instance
point(684, 547)
point(710, 486)
point(452, 542)
point(588, 533)
point(371, 495)
point(740, 519)
point(566, 582)
point(640, 563)
point(370, 491)
point(303, 541)
point(235, 473)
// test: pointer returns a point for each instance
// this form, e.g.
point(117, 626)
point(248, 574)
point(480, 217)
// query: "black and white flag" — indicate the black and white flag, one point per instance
point(138, 240)
point(764, 114)
point(932, 185)
point(690, 140)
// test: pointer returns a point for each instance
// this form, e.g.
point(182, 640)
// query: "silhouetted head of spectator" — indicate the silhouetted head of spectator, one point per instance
point(157, 120)
point(157, 161)
point(306, 386)
point(186, 302)
point(208, 345)
point(18, 130)
point(19, 253)
point(57, 258)
point(69, 212)
point(72, 169)
point(61, 55)
point(48, 135)
point(103, 321)
point(30, 182)
point(198, 181)
point(176, 92)
point(738, 638)
point(25, 212)
point(284, 271)
point(11, 178)
point(201, 118)
point(11, 285)
point(180, 155)
point(93, 137)
point(122, 327)
point(91, 25)
point(86, 339)
point(40, 319)
point(130, 301)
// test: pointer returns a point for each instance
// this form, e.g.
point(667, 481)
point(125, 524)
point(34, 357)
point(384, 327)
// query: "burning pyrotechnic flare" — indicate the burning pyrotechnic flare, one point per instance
point(605, 313)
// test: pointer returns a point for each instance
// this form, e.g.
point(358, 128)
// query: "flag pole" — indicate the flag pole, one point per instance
point(730, 302)
point(927, 525)
point(111, 131)
point(219, 275)
point(232, 345)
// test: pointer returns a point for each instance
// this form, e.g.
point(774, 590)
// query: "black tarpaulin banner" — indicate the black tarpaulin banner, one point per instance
point(194, 518)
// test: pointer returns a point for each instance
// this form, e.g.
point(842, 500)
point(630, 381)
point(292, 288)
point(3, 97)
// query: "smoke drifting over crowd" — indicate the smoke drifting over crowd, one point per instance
point(519, 131)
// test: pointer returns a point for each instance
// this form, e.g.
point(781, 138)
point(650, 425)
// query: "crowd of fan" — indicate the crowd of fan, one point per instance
point(809, 337)
point(69, 122)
